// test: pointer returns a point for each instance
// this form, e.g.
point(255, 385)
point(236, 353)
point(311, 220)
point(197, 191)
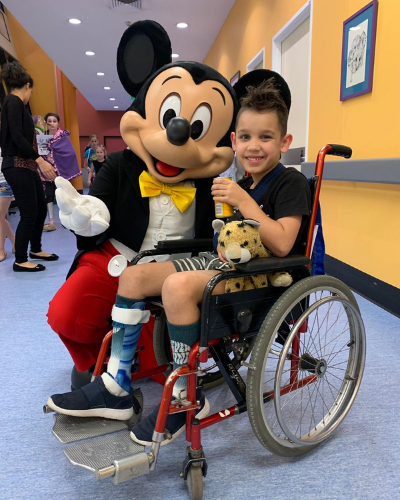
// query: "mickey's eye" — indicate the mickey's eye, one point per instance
point(200, 122)
point(170, 108)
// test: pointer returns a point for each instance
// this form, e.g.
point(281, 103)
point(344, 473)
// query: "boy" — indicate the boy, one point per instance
point(260, 138)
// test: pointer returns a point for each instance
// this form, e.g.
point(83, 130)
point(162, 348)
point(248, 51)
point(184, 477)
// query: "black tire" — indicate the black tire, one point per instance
point(274, 423)
point(195, 482)
point(162, 352)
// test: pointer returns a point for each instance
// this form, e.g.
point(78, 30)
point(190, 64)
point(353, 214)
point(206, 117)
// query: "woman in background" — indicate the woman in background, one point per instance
point(20, 168)
point(63, 158)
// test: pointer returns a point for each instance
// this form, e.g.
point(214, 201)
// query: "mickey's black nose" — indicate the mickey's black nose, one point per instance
point(178, 131)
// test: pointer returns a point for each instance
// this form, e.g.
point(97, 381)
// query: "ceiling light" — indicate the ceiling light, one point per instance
point(116, 107)
point(89, 53)
point(175, 55)
point(100, 74)
point(112, 98)
point(107, 88)
point(75, 21)
point(182, 25)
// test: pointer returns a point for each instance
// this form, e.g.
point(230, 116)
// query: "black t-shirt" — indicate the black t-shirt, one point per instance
point(289, 194)
point(97, 165)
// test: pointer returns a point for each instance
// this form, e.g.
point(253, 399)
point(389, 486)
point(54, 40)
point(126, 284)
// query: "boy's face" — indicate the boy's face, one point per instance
point(258, 142)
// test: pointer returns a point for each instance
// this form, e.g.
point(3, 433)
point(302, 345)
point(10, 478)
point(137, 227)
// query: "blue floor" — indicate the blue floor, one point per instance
point(361, 461)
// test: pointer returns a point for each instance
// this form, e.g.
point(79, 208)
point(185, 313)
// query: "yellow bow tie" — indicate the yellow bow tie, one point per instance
point(181, 196)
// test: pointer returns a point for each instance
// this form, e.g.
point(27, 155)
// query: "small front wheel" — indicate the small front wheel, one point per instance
point(195, 481)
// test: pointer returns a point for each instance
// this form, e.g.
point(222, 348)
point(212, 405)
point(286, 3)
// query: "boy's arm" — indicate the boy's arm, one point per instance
point(278, 236)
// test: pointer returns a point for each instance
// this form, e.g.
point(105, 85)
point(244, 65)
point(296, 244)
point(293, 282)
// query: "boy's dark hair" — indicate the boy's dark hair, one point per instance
point(52, 114)
point(15, 76)
point(265, 97)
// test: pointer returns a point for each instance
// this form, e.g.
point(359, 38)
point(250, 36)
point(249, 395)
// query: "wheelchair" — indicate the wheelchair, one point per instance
point(307, 351)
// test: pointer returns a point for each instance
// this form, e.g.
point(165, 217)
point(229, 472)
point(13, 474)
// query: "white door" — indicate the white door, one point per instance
point(291, 58)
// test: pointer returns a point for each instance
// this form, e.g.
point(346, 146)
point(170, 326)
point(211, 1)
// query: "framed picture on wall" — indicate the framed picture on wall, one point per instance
point(358, 51)
point(234, 78)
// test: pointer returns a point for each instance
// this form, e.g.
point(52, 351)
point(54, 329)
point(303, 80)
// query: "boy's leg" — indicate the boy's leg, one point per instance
point(136, 283)
point(109, 395)
point(182, 294)
point(184, 322)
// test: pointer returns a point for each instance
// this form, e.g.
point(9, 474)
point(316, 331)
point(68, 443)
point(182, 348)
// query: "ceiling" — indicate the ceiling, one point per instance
point(101, 30)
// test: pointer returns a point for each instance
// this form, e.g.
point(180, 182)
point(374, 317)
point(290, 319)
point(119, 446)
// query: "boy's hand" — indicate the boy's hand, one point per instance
point(221, 254)
point(227, 191)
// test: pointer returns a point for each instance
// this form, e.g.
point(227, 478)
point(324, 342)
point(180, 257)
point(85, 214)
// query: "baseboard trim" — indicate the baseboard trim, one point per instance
point(378, 292)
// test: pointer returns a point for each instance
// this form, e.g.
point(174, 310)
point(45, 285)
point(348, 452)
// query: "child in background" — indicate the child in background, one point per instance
point(90, 151)
point(101, 155)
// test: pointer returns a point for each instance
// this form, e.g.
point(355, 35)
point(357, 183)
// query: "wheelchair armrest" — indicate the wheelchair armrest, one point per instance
point(185, 246)
point(272, 264)
point(176, 246)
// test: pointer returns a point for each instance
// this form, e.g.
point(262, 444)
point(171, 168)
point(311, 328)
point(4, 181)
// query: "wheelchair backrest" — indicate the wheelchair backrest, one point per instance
point(313, 181)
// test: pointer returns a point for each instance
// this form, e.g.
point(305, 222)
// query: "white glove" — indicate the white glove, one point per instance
point(84, 214)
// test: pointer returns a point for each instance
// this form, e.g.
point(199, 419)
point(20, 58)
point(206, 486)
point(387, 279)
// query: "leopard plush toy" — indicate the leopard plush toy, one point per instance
point(241, 242)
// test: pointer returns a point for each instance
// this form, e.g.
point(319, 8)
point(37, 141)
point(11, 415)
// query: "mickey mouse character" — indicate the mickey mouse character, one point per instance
point(178, 133)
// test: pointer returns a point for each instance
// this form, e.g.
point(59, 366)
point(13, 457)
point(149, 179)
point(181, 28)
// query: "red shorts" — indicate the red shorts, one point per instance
point(80, 312)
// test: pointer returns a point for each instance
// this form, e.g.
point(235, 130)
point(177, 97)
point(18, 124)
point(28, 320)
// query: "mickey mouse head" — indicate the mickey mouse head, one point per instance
point(183, 113)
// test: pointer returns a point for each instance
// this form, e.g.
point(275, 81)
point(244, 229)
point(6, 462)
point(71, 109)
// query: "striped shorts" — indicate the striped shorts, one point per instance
point(204, 262)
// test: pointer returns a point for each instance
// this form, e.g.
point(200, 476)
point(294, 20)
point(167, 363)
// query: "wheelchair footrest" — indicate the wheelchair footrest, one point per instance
point(115, 455)
point(69, 429)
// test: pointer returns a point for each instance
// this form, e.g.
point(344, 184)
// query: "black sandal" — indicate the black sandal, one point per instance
point(53, 256)
point(22, 269)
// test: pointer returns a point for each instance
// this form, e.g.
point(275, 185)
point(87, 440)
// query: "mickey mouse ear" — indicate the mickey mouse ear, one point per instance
point(256, 77)
point(144, 48)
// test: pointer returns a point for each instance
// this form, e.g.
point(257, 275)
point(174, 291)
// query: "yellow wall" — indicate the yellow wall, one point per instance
point(368, 123)
point(46, 93)
point(39, 66)
point(250, 26)
point(361, 221)
point(361, 224)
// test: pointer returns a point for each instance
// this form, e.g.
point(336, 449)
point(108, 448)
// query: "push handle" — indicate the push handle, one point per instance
point(329, 149)
point(339, 150)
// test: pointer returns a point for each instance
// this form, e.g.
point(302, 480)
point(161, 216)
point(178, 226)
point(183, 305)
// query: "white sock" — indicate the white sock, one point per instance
point(112, 386)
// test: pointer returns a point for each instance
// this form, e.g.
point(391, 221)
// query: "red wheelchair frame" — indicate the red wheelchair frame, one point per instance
point(200, 352)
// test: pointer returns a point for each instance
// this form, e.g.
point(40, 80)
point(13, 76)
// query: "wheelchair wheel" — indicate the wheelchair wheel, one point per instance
point(163, 355)
point(298, 393)
point(195, 482)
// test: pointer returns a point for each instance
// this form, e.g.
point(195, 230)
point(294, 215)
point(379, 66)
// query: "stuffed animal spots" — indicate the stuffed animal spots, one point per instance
point(241, 242)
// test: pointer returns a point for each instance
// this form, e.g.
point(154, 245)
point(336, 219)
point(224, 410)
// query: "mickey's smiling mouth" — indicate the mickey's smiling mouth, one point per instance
point(165, 169)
